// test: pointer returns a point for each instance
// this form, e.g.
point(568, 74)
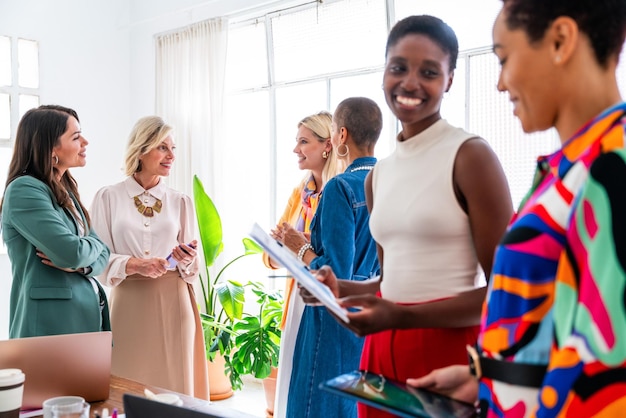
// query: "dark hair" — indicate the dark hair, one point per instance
point(362, 118)
point(603, 21)
point(434, 28)
point(38, 133)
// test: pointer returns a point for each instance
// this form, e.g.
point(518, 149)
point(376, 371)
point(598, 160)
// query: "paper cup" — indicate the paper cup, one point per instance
point(72, 410)
point(11, 391)
point(60, 400)
point(168, 398)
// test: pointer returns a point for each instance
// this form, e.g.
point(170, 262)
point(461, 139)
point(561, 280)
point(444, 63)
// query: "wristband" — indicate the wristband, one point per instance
point(303, 250)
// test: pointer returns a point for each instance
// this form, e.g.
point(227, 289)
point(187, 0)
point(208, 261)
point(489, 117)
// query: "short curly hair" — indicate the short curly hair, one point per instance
point(432, 27)
point(362, 117)
point(603, 21)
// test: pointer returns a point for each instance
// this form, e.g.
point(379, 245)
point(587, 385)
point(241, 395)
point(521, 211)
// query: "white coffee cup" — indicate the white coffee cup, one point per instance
point(11, 392)
point(60, 400)
point(72, 410)
point(168, 398)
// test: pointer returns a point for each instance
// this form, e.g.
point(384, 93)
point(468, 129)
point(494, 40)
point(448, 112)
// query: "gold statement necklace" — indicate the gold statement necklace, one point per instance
point(148, 211)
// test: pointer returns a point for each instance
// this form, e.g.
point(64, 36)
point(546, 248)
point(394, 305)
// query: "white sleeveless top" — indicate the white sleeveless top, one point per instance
point(416, 218)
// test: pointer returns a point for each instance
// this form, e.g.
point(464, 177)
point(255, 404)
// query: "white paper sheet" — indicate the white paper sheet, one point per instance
point(299, 271)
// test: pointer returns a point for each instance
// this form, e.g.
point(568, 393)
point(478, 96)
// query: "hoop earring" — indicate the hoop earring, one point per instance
point(343, 154)
point(56, 159)
point(325, 154)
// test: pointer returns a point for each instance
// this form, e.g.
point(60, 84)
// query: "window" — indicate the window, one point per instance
point(19, 83)
point(288, 64)
point(19, 92)
point(315, 56)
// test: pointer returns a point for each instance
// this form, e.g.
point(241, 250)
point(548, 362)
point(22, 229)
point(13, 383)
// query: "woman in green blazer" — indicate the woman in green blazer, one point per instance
point(53, 251)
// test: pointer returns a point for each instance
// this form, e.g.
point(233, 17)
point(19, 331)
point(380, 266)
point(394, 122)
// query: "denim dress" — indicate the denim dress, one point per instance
point(341, 238)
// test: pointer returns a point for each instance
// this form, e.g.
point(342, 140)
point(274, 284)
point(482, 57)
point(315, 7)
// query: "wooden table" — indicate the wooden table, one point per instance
point(120, 386)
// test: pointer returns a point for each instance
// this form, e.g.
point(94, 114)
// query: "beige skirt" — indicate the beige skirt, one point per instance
point(157, 334)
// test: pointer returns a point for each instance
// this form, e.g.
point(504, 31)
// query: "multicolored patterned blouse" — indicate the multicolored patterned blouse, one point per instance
point(560, 270)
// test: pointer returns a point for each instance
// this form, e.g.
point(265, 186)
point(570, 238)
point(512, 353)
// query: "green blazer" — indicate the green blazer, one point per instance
point(44, 299)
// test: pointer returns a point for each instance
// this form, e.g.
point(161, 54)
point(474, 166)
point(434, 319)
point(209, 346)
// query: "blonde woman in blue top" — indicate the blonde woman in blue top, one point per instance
point(340, 237)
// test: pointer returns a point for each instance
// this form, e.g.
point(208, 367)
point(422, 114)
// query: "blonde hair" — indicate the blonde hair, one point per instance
point(147, 134)
point(320, 124)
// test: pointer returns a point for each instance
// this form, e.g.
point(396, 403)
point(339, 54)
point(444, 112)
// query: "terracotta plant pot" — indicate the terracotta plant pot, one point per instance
point(219, 383)
point(269, 386)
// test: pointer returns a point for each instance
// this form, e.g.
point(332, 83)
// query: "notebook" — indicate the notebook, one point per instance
point(396, 397)
point(299, 271)
point(140, 407)
point(60, 365)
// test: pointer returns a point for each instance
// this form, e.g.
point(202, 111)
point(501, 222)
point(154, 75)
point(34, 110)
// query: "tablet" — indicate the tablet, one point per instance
point(396, 397)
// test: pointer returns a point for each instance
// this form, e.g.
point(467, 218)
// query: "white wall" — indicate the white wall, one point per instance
point(97, 56)
point(84, 55)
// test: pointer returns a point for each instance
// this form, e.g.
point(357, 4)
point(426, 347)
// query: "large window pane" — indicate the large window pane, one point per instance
point(328, 38)
point(245, 152)
point(5, 159)
point(27, 102)
point(293, 103)
point(367, 85)
point(5, 61)
point(453, 105)
point(247, 57)
point(491, 116)
point(5, 116)
point(28, 63)
point(471, 20)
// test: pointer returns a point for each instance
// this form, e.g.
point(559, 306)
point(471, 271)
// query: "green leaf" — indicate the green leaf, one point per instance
point(209, 223)
point(248, 343)
point(232, 297)
point(251, 246)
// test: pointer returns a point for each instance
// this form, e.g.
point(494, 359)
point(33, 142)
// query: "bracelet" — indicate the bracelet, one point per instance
point(304, 249)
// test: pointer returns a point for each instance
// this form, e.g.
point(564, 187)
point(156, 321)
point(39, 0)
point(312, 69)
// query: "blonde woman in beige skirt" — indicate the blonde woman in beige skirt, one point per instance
point(157, 335)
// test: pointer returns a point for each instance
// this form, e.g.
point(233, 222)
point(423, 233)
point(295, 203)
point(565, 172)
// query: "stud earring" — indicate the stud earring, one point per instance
point(56, 159)
point(325, 154)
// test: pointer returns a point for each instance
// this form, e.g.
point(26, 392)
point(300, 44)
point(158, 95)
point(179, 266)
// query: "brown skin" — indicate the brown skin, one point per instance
point(453, 381)
point(563, 88)
point(418, 71)
point(554, 94)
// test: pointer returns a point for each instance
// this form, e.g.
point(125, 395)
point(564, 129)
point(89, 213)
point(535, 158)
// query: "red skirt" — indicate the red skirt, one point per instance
point(403, 353)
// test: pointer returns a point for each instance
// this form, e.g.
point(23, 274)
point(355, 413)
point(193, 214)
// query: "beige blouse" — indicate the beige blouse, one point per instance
point(128, 233)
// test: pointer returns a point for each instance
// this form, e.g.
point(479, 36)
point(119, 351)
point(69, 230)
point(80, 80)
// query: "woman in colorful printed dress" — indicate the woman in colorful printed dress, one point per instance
point(315, 154)
point(340, 237)
point(553, 334)
point(439, 204)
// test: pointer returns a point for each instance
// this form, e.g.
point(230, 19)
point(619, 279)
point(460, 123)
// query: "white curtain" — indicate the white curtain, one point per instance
point(190, 72)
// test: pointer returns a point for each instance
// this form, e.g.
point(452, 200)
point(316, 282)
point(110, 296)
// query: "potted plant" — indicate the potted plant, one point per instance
point(257, 342)
point(223, 300)
point(257, 336)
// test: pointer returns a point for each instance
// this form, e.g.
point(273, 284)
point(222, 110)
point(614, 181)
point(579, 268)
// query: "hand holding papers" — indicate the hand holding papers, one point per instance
point(299, 271)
